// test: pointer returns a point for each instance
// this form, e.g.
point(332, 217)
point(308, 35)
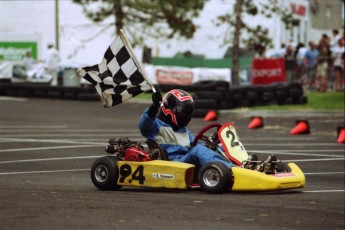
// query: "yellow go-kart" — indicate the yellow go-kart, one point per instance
point(130, 164)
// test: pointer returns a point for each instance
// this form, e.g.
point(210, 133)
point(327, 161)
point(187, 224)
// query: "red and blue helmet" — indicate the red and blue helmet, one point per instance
point(177, 108)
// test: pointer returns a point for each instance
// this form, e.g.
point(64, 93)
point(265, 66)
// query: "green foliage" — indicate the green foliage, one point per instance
point(158, 19)
point(258, 38)
point(316, 101)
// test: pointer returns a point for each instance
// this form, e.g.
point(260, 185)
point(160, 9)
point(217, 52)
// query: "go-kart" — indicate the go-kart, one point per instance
point(130, 164)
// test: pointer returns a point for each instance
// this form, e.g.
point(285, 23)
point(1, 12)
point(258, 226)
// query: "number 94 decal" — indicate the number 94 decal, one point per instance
point(134, 175)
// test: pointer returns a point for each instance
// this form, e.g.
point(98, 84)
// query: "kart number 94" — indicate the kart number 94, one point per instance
point(135, 175)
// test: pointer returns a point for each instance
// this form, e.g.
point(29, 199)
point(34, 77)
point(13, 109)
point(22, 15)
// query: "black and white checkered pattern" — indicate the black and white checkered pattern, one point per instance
point(117, 78)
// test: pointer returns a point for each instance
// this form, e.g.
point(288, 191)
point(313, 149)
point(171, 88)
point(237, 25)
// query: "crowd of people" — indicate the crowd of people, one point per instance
point(319, 66)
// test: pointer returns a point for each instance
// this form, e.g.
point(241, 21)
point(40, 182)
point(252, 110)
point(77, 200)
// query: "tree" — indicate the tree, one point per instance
point(258, 38)
point(158, 19)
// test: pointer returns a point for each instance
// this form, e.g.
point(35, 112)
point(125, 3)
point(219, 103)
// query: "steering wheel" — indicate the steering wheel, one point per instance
point(201, 135)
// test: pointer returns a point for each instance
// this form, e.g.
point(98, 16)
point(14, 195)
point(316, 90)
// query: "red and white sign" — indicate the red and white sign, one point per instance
point(179, 77)
point(267, 71)
point(298, 9)
point(184, 75)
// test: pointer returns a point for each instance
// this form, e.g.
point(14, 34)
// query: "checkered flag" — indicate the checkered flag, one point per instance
point(120, 76)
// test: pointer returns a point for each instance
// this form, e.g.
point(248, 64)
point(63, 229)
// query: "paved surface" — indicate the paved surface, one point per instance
point(48, 146)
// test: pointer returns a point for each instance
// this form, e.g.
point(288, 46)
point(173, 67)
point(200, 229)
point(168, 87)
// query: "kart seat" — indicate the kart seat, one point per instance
point(155, 147)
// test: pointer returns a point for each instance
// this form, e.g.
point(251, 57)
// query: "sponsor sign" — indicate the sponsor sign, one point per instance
point(15, 51)
point(267, 71)
point(179, 77)
point(184, 75)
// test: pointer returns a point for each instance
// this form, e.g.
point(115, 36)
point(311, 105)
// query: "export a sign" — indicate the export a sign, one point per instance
point(15, 51)
point(267, 71)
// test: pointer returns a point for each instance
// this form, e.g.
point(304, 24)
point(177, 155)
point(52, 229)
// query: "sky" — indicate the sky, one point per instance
point(36, 19)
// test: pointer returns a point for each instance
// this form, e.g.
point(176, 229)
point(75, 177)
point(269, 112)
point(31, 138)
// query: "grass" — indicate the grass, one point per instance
point(316, 101)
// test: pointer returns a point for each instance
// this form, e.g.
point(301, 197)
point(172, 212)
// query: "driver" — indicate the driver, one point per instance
point(168, 129)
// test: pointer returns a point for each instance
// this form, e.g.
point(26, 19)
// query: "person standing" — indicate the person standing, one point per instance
point(322, 64)
point(51, 64)
point(310, 62)
point(28, 61)
point(338, 55)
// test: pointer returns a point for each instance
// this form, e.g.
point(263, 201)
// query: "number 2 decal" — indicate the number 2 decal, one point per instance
point(138, 174)
point(233, 137)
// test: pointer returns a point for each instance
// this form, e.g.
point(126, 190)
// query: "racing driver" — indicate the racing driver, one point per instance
point(165, 123)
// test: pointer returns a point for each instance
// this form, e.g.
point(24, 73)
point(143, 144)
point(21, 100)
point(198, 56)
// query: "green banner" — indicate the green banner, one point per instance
point(15, 51)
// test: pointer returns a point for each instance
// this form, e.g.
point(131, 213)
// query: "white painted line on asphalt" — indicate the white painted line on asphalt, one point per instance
point(20, 127)
point(65, 129)
point(324, 173)
point(69, 135)
point(2, 98)
point(310, 160)
point(48, 159)
point(322, 191)
point(48, 148)
point(313, 150)
point(49, 141)
point(50, 171)
point(294, 144)
point(279, 138)
point(280, 152)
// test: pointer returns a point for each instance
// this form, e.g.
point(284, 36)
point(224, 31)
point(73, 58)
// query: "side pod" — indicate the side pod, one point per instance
point(249, 180)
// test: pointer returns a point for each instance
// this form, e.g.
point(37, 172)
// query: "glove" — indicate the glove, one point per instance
point(156, 98)
point(156, 101)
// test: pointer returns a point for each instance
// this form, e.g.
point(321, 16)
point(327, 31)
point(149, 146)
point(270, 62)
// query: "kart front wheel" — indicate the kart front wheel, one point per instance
point(105, 173)
point(214, 177)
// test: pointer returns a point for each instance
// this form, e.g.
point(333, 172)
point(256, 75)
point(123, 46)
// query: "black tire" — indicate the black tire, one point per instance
point(214, 95)
point(205, 104)
point(105, 173)
point(200, 112)
point(214, 177)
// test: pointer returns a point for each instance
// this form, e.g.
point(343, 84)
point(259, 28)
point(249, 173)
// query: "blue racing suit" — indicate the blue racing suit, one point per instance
point(177, 144)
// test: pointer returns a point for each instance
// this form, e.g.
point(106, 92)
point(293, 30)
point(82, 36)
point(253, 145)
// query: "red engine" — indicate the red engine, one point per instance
point(136, 154)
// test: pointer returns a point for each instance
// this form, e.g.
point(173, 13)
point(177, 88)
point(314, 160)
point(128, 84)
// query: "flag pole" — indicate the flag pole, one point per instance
point(130, 50)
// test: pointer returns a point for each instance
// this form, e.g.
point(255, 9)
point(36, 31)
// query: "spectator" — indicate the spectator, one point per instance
point(322, 64)
point(28, 61)
point(338, 54)
point(280, 53)
point(51, 64)
point(290, 63)
point(336, 37)
point(299, 56)
point(310, 62)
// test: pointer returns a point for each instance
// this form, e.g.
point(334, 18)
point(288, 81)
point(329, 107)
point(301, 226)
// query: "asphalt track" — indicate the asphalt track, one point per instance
point(47, 148)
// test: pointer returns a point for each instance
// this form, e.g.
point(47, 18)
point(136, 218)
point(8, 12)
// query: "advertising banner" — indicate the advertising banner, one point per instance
point(267, 71)
point(185, 76)
point(15, 50)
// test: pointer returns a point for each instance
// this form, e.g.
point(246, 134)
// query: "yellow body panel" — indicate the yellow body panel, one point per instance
point(249, 180)
point(155, 174)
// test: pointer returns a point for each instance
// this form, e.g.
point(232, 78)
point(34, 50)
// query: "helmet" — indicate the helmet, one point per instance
point(177, 108)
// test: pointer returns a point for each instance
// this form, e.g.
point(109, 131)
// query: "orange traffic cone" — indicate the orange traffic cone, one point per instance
point(256, 122)
point(341, 135)
point(302, 127)
point(211, 115)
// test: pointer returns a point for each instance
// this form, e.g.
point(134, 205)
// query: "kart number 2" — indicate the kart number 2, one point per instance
point(126, 171)
point(233, 137)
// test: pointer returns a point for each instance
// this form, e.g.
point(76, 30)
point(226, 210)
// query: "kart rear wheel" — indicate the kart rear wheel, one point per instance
point(105, 173)
point(214, 177)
